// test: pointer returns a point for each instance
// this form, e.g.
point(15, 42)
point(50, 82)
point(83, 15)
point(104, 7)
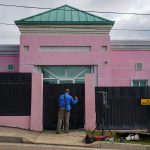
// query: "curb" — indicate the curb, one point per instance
point(104, 145)
point(98, 144)
point(124, 146)
point(10, 139)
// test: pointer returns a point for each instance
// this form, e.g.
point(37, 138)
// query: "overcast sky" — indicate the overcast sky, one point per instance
point(10, 34)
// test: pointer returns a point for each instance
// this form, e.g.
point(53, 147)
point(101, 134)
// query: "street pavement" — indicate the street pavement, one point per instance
point(10, 146)
point(19, 139)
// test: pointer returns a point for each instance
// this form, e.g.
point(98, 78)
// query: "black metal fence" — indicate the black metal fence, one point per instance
point(125, 110)
point(15, 94)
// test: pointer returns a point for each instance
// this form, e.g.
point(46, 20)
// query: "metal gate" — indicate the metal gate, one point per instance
point(15, 94)
point(125, 111)
point(51, 93)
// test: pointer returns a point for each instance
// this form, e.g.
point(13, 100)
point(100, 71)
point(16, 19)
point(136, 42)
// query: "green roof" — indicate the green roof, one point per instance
point(64, 15)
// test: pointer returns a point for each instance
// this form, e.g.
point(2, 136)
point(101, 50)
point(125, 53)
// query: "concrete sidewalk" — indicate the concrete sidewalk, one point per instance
point(73, 138)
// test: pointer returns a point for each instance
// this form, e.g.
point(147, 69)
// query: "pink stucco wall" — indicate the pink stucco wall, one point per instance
point(37, 102)
point(15, 121)
point(90, 112)
point(97, 56)
point(5, 60)
point(114, 68)
point(123, 66)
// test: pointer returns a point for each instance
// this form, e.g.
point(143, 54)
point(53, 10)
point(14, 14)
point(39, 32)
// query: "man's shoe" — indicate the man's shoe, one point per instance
point(66, 131)
point(58, 132)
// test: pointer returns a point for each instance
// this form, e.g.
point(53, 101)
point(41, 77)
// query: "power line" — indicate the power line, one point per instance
point(132, 30)
point(6, 23)
point(140, 30)
point(11, 5)
point(120, 13)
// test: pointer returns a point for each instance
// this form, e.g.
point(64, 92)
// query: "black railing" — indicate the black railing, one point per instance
point(125, 110)
point(15, 94)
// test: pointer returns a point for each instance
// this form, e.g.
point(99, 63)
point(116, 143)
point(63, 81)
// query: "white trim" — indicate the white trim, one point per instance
point(134, 79)
point(9, 50)
point(65, 48)
point(136, 66)
point(136, 45)
point(110, 78)
point(125, 67)
point(66, 29)
point(66, 73)
point(122, 67)
point(95, 72)
point(49, 72)
point(66, 78)
point(49, 79)
point(80, 73)
point(63, 79)
point(131, 83)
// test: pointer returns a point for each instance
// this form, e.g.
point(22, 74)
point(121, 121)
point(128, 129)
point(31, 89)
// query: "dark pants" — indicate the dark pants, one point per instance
point(63, 116)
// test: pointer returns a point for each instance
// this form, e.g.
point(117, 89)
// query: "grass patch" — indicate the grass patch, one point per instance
point(144, 137)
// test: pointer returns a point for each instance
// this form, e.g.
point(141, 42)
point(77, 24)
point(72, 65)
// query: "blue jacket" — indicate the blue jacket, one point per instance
point(69, 100)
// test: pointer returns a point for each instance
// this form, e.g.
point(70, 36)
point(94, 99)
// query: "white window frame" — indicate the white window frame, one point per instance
point(139, 80)
point(136, 66)
point(73, 79)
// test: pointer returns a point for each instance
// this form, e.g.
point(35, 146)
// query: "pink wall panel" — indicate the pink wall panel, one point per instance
point(123, 66)
point(127, 58)
point(37, 102)
point(5, 60)
point(97, 56)
point(35, 56)
point(90, 115)
point(15, 121)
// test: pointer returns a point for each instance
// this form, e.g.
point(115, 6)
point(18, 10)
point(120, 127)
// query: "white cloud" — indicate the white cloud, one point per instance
point(9, 34)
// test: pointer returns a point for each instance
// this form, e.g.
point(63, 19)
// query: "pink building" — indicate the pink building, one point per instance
point(69, 46)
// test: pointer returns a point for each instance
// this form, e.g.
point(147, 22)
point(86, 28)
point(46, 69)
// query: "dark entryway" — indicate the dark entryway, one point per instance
point(51, 93)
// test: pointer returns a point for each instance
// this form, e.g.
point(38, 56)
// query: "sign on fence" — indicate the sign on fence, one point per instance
point(145, 101)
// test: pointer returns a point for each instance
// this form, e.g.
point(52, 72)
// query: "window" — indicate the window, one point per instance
point(10, 67)
point(138, 66)
point(65, 74)
point(140, 83)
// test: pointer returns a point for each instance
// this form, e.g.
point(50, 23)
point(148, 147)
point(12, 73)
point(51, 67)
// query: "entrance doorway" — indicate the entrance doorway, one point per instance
point(51, 93)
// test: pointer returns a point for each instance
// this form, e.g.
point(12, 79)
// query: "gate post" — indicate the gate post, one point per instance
point(90, 115)
point(36, 122)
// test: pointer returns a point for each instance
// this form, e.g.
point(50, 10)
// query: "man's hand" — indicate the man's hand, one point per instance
point(76, 97)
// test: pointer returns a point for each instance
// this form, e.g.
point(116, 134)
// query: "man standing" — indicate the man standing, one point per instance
point(65, 102)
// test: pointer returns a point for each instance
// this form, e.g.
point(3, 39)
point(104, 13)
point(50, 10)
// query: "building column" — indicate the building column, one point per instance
point(36, 122)
point(90, 113)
